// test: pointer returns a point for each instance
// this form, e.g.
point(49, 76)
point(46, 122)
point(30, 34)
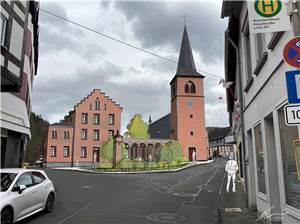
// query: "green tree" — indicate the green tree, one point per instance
point(39, 129)
point(171, 151)
point(137, 128)
point(107, 149)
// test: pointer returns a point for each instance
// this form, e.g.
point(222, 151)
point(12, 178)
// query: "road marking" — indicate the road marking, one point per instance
point(207, 182)
point(76, 212)
point(220, 190)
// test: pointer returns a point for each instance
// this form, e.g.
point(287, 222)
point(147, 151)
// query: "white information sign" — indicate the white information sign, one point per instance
point(292, 114)
point(268, 16)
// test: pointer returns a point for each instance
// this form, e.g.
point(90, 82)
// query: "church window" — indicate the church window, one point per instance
point(191, 133)
point(186, 88)
point(190, 87)
point(193, 88)
point(191, 115)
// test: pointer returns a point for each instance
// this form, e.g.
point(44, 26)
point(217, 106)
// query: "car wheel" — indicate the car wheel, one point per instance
point(6, 216)
point(50, 203)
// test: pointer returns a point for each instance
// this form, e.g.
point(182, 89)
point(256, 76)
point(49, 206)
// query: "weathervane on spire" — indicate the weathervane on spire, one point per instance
point(184, 18)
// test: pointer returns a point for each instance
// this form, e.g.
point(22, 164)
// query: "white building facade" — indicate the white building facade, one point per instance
point(19, 59)
point(255, 103)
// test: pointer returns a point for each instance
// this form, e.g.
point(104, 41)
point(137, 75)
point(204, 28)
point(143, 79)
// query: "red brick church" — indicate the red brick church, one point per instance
point(186, 122)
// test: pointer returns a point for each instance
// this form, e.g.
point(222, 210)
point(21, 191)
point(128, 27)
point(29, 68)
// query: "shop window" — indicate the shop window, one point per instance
point(290, 151)
point(260, 160)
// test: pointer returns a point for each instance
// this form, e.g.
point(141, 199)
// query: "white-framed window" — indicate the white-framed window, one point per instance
point(260, 160)
point(84, 118)
point(111, 133)
point(53, 151)
point(111, 119)
point(260, 45)
point(3, 26)
point(84, 134)
point(96, 134)
point(96, 119)
point(83, 152)
point(66, 151)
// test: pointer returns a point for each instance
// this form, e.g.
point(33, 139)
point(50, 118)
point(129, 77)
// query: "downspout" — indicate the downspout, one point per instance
point(239, 75)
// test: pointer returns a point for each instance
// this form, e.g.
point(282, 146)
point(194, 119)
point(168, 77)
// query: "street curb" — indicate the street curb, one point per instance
point(136, 172)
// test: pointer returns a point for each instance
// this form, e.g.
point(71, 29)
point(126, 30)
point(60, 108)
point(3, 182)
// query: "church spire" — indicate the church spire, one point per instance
point(186, 65)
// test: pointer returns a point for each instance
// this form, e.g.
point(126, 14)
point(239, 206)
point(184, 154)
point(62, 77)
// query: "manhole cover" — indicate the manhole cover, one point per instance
point(166, 218)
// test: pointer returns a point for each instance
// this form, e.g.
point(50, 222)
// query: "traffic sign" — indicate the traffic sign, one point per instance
point(292, 115)
point(293, 86)
point(268, 16)
point(291, 52)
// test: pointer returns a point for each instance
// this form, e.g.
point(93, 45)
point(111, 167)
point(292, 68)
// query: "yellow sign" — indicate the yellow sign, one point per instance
point(297, 156)
point(267, 8)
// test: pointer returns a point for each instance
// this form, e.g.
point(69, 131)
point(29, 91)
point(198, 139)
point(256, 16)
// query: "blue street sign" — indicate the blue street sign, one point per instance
point(293, 86)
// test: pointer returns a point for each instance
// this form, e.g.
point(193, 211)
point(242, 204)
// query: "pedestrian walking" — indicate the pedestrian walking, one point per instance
point(231, 168)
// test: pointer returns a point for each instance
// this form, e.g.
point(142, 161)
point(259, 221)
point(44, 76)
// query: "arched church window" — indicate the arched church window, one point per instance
point(186, 88)
point(193, 88)
point(190, 87)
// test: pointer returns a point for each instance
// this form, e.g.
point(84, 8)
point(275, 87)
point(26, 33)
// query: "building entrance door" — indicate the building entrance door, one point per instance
point(191, 150)
point(95, 156)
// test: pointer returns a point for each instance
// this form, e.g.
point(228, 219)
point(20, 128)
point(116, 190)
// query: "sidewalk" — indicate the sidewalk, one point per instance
point(78, 169)
point(232, 208)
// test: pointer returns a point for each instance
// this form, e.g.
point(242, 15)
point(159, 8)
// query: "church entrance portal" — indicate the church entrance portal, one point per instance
point(191, 150)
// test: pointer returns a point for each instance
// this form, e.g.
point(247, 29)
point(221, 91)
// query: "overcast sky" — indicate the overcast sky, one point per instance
point(73, 61)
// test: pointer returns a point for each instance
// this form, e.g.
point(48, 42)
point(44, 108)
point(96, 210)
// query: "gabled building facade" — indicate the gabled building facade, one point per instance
point(77, 139)
point(255, 102)
point(19, 62)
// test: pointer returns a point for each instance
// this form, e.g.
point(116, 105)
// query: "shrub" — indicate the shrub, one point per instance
point(138, 165)
point(151, 165)
point(163, 164)
point(125, 164)
point(104, 165)
point(174, 163)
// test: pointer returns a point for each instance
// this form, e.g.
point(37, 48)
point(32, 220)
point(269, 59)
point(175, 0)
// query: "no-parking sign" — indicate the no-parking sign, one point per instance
point(291, 52)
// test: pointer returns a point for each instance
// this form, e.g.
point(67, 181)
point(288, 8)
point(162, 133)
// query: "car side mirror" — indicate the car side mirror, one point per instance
point(19, 189)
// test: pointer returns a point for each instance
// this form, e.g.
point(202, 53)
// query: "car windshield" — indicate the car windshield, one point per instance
point(6, 180)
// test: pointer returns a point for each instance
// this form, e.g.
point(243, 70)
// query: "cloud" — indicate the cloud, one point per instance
point(161, 24)
point(56, 34)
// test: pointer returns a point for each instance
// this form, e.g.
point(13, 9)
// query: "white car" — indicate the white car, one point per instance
point(23, 193)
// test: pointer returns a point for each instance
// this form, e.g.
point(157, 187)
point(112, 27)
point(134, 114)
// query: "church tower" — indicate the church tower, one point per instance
point(187, 104)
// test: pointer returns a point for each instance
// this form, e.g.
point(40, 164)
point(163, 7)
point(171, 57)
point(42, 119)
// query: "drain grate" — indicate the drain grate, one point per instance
point(166, 218)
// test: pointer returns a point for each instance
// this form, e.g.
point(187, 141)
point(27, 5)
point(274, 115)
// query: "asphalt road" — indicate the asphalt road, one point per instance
point(188, 196)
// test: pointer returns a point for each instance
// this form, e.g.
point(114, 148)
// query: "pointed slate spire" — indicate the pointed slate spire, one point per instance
point(186, 65)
